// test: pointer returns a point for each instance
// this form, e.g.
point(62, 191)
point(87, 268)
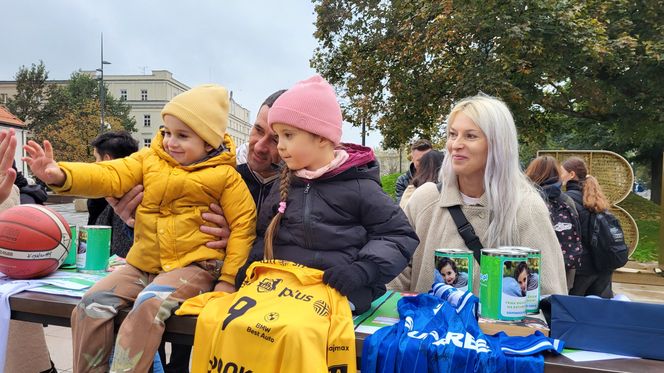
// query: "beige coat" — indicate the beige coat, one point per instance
point(428, 214)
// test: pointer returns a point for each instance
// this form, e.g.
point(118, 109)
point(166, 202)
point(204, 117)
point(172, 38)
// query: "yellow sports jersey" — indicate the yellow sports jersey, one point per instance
point(283, 319)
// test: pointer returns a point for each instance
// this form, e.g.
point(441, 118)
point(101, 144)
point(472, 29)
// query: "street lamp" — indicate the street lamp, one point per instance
point(102, 91)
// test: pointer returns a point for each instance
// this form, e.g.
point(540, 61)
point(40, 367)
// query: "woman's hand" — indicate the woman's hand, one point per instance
point(7, 173)
point(42, 164)
point(221, 230)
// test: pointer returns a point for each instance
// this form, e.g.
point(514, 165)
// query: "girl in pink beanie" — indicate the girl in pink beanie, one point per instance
point(330, 212)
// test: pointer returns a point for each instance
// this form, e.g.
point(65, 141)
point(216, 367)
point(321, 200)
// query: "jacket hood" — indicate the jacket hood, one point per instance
point(224, 158)
point(361, 164)
point(552, 188)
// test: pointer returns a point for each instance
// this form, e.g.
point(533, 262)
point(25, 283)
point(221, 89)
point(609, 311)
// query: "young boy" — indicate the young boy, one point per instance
point(188, 166)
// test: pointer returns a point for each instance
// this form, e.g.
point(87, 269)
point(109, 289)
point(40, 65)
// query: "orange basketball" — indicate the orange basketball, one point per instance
point(34, 241)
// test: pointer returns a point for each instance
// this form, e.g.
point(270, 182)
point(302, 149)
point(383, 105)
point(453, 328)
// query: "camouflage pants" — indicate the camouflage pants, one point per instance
point(154, 298)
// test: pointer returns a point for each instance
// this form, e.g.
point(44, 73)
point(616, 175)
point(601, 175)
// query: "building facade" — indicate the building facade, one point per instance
point(147, 95)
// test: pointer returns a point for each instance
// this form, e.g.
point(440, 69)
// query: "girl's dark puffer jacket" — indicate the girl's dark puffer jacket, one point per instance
point(341, 218)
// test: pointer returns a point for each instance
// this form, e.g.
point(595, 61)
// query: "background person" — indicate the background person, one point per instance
point(481, 174)
point(417, 150)
point(544, 171)
point(589, 198)
point(106, 147)
point(427, 172)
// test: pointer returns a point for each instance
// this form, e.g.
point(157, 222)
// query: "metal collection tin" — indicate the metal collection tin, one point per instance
point(94, 248)
point(534, 290)
point(503, 284)
point(463, 262)
point(70, 260)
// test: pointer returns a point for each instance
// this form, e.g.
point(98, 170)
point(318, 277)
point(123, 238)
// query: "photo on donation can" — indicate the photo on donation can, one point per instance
point(515, 288)
point(452, 271)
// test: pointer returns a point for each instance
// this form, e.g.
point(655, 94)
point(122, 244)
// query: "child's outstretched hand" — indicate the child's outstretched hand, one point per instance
point(42, 164)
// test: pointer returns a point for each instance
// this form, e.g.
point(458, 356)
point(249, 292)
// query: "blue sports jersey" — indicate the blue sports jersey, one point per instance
point(434, 336)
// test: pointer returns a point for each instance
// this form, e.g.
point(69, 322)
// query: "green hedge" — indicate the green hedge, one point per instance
point(389, 183)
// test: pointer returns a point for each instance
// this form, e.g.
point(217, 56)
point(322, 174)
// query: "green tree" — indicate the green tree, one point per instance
point(73, 113)
point(573, 73)
point(32, 92)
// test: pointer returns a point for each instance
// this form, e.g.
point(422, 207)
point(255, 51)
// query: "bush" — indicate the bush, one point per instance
point(389, 184)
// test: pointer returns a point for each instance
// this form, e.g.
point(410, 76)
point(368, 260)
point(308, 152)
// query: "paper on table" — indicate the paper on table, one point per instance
point(581, 356)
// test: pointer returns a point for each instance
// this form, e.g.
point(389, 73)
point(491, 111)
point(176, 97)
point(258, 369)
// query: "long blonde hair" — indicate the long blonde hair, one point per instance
point(593, 197)
point(505, 185)
point(271, 232)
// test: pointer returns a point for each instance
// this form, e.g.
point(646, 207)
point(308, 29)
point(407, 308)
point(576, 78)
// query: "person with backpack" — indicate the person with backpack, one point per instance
point(591, 277)
point(544, 171)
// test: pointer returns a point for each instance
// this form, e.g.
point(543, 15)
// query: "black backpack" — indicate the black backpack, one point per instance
point(565, 220)
point(607, 243)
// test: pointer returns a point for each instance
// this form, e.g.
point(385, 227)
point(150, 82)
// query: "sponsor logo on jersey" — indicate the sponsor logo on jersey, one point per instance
point(267, 285)
point(461, 340)
point(286, 292)
point(217, 365)
point(334, 348)
point(271, 316)
point(321, 308)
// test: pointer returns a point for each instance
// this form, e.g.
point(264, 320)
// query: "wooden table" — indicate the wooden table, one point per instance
point(56, 310)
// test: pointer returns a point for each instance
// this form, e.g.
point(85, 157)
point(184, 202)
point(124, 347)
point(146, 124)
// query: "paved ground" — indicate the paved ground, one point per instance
point(59, 338)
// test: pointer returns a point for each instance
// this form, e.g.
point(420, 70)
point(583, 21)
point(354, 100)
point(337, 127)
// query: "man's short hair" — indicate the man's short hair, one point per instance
point(421, 145)
point(273, 97)
point(116, 144)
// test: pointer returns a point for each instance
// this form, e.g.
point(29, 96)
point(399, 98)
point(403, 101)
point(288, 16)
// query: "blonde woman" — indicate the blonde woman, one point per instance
point(481, 174)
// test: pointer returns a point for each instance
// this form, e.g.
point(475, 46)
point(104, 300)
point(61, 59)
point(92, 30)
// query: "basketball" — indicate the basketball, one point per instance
point(34, 241)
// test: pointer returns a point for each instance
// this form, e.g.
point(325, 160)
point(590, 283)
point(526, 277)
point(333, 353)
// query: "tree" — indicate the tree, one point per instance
point(32, 92)
point(77, 127)
point(578, 73)
point(74, 117)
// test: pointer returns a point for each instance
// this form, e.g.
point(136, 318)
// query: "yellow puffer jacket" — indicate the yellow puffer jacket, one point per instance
point(166, 234)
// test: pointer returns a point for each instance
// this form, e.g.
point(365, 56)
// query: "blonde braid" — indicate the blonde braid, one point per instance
point(271, 232)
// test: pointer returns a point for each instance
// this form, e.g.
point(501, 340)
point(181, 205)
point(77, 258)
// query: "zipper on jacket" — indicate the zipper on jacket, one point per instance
point(306, 218)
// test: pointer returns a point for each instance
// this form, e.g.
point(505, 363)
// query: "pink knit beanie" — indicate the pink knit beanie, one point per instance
point(310, 105)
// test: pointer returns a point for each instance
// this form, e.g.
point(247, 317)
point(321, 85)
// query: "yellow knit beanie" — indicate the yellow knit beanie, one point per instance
point(204, 109)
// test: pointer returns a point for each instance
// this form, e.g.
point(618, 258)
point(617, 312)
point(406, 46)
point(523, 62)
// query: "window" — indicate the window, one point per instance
point(146, 120)
point(147, 142)
point(144, 94)
point(3, 98)
point(123, 95)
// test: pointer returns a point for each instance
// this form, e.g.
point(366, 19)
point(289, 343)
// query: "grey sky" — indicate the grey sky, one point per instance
point(251, 47)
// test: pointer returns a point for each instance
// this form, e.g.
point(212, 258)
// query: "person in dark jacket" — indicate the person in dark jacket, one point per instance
point(329, 211)
point(544, 171)
point(107, 146)
point(29, 193)
point(589, 198)
point(417, 150)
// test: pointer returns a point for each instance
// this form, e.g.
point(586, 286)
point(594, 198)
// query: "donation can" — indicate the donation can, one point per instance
point(534, 289)
point(94, 248)
point(70, 260)
point(503, 280)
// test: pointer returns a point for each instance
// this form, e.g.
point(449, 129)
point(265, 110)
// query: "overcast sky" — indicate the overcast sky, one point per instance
point(252, 47)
